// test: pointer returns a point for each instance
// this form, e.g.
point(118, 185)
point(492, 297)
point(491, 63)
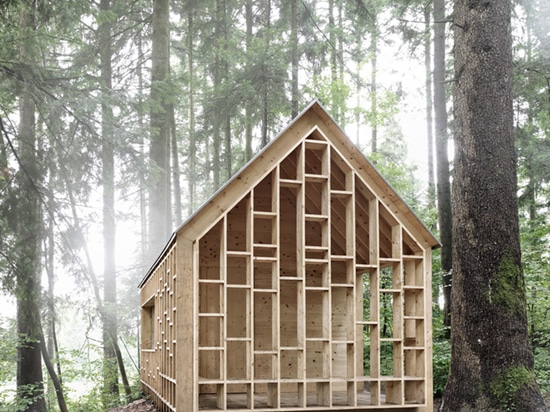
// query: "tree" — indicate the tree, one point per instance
point(30, 386)
point(429, 103)
point(159, 194)
point(491, 362)
point(444, 209)
point(109, 224)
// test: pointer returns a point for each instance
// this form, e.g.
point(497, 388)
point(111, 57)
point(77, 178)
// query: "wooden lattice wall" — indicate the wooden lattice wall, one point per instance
point(158, 333)
point(308, 292)
point(311, 294)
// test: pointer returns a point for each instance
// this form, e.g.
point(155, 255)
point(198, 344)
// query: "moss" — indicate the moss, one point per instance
point(506, 385)
point(506, 287)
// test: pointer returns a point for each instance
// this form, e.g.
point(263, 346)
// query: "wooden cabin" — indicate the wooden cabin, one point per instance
point(304, 283)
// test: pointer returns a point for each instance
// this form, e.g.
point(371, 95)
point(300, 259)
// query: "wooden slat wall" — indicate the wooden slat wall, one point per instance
point(158, 362)
point(312, 294)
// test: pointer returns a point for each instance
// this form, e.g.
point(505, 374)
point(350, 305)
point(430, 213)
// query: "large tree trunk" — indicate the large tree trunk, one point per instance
point(491, 362)
point(30, 386)
point(442, 158)
point(110, 373)
point(159, 190)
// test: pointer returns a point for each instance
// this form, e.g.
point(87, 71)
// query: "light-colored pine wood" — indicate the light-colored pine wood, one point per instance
point(303, 283)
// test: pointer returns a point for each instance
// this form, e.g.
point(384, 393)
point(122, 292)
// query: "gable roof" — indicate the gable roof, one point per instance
point(313, 117)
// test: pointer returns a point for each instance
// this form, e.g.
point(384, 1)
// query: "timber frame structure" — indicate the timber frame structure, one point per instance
point(304, 283)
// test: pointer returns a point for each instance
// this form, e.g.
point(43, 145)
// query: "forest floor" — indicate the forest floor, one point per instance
point(145, 405)
point(141, 405)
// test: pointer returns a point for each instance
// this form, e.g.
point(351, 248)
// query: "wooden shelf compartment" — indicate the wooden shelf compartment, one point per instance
point(211, 298)
point(371, 388)
point(415, 391)
point(393, 389)
point(317, 316)
point(414, 302)
point(316, 273)
point(415, 333)
point(413, 272)
point(342, 313)
point(316, 158)
point(237, 269)
point(265, 274)
point(265, 196)
point(415, 363)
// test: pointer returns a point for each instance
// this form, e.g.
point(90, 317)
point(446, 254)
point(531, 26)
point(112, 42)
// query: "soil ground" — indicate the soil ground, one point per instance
point(141, 405)
point(144, 405)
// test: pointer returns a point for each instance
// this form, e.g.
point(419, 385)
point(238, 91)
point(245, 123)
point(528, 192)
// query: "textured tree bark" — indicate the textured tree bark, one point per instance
point(491, 362)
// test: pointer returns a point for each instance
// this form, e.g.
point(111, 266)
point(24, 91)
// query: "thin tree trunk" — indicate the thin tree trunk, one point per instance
point(491, 361)
point(92, 278)
point(248, 104)
point(159, 152)
point(30, 385)
point(56, 380)
point(227, 147)
point(175, 168)
point(51, 349)
point(342, 94)
point(374, 87)
point(294, 57)
point(429, 104)
point(142, 179)
point(442, 159)
point(227, 117)
point(192, 172)
point(265, 95)
point(333, 63)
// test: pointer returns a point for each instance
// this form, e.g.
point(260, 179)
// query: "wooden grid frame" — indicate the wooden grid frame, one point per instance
point(285, 279)
point(303, 284)
point(158, 332)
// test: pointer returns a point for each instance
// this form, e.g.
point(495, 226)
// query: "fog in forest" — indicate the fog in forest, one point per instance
point(116, 127)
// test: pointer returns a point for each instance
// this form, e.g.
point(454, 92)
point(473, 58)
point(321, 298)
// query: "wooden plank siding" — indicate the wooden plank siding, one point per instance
point(304, 284)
